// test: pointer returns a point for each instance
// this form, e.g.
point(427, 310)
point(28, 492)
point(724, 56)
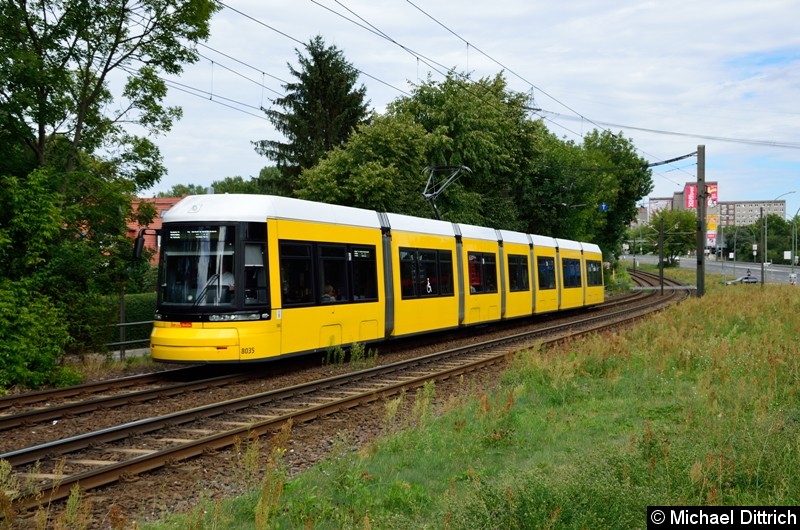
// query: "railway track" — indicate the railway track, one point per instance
point(56, 404)
point(96, 458)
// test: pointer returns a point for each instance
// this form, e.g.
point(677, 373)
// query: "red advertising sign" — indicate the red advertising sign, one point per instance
point(712, 194)
point(690, 196)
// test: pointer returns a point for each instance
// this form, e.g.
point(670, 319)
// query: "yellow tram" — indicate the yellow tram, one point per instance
point(251, 277)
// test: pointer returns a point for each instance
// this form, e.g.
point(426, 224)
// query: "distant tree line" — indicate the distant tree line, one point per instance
point(522, 176)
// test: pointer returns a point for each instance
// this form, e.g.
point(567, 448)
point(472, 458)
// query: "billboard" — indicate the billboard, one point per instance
point(712, 194)
point(657, 205)
point(690, 196)
point(712, 221)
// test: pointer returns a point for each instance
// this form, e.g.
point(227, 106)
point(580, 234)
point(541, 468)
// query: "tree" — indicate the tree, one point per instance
point(552, 194)
point(522, 176)
point(67, 157)
point(380, 168)
point(181, 190)
point(322, 108)
point(55, 79)
point(677, 229)
point(618, 178)
point(484, 126)
point(740, 240)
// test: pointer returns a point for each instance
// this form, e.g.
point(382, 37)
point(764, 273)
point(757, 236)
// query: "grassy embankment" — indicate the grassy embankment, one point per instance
point(697, 405)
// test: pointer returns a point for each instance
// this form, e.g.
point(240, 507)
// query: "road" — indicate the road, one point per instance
point(729, 269)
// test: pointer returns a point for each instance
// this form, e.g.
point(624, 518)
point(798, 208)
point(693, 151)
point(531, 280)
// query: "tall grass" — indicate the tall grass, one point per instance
point(697, 405)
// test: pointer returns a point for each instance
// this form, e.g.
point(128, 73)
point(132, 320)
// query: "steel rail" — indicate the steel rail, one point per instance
point(30, 417)
point(39, 396)
point(493, 351)
point(83, 407)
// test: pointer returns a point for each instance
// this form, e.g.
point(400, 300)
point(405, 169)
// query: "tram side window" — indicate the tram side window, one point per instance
point(324, 273)
point(255, 274)
point(428, 278)
point(365, 274)
point(547, 272)
point(572, 272)
point(297, 285)
point(518, 272)
point(425, 272)
point(594, 273)
point(445, 272)
point(333, 268)
point(482, 272)
point(408, 271)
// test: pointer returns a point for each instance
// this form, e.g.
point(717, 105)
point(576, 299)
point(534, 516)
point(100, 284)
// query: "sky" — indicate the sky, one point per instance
point(669, 75)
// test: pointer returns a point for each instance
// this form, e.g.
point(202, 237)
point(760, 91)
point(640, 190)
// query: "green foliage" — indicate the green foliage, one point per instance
point(381, 168)
point(617, 279)
point(617, 177)
point(335, 355)
point(521, 178)
point(30, 223)
point(322, 108)
point(139, 308)
point(69, 170)
point(33, 335)
point(59, 58)
point(781, 237)
point(677, 228)
point(181, 190)
point(481, 125)
point(236, 185)
point(360, 357)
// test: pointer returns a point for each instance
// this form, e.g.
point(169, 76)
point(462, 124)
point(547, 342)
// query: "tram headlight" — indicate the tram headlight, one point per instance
point(233, 317)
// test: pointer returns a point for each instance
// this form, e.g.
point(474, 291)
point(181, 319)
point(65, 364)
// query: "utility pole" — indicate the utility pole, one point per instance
point(701, 219)
point(764, 246)
point(661, 255)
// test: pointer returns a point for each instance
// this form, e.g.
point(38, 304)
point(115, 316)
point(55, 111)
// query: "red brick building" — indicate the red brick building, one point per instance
point(151, 241)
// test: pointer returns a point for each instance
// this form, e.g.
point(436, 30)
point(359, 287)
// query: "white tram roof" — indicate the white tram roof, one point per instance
point(543, 241)
point(568, 244)
point(408, 223)
point(591, 247)
point(478, 232)
point(514, 237)
point(258, 208)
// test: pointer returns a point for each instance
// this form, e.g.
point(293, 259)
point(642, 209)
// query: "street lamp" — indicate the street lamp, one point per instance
point(764, 258)
point(767, 217)
point(794, 238)
point(735, 247)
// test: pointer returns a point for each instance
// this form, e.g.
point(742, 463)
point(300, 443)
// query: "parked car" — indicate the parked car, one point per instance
point(743, 279)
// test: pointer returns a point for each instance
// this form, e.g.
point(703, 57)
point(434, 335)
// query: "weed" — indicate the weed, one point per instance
point(361, 358)
point(246, 456)
point(334, 355)
point(391, 409)
point(274, 481)
point(9, 491)
point(423, 404)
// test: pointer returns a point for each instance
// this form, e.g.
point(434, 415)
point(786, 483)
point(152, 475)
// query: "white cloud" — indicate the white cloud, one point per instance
point(720, 68)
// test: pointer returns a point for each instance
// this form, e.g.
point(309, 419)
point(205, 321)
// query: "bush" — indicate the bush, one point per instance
point(617, 279)
point(139, 308)
point(33, 335)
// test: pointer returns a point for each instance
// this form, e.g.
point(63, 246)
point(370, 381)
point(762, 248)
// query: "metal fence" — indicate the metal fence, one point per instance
point(122, 344)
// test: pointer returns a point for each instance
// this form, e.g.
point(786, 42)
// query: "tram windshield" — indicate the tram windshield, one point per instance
point(198, 265)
